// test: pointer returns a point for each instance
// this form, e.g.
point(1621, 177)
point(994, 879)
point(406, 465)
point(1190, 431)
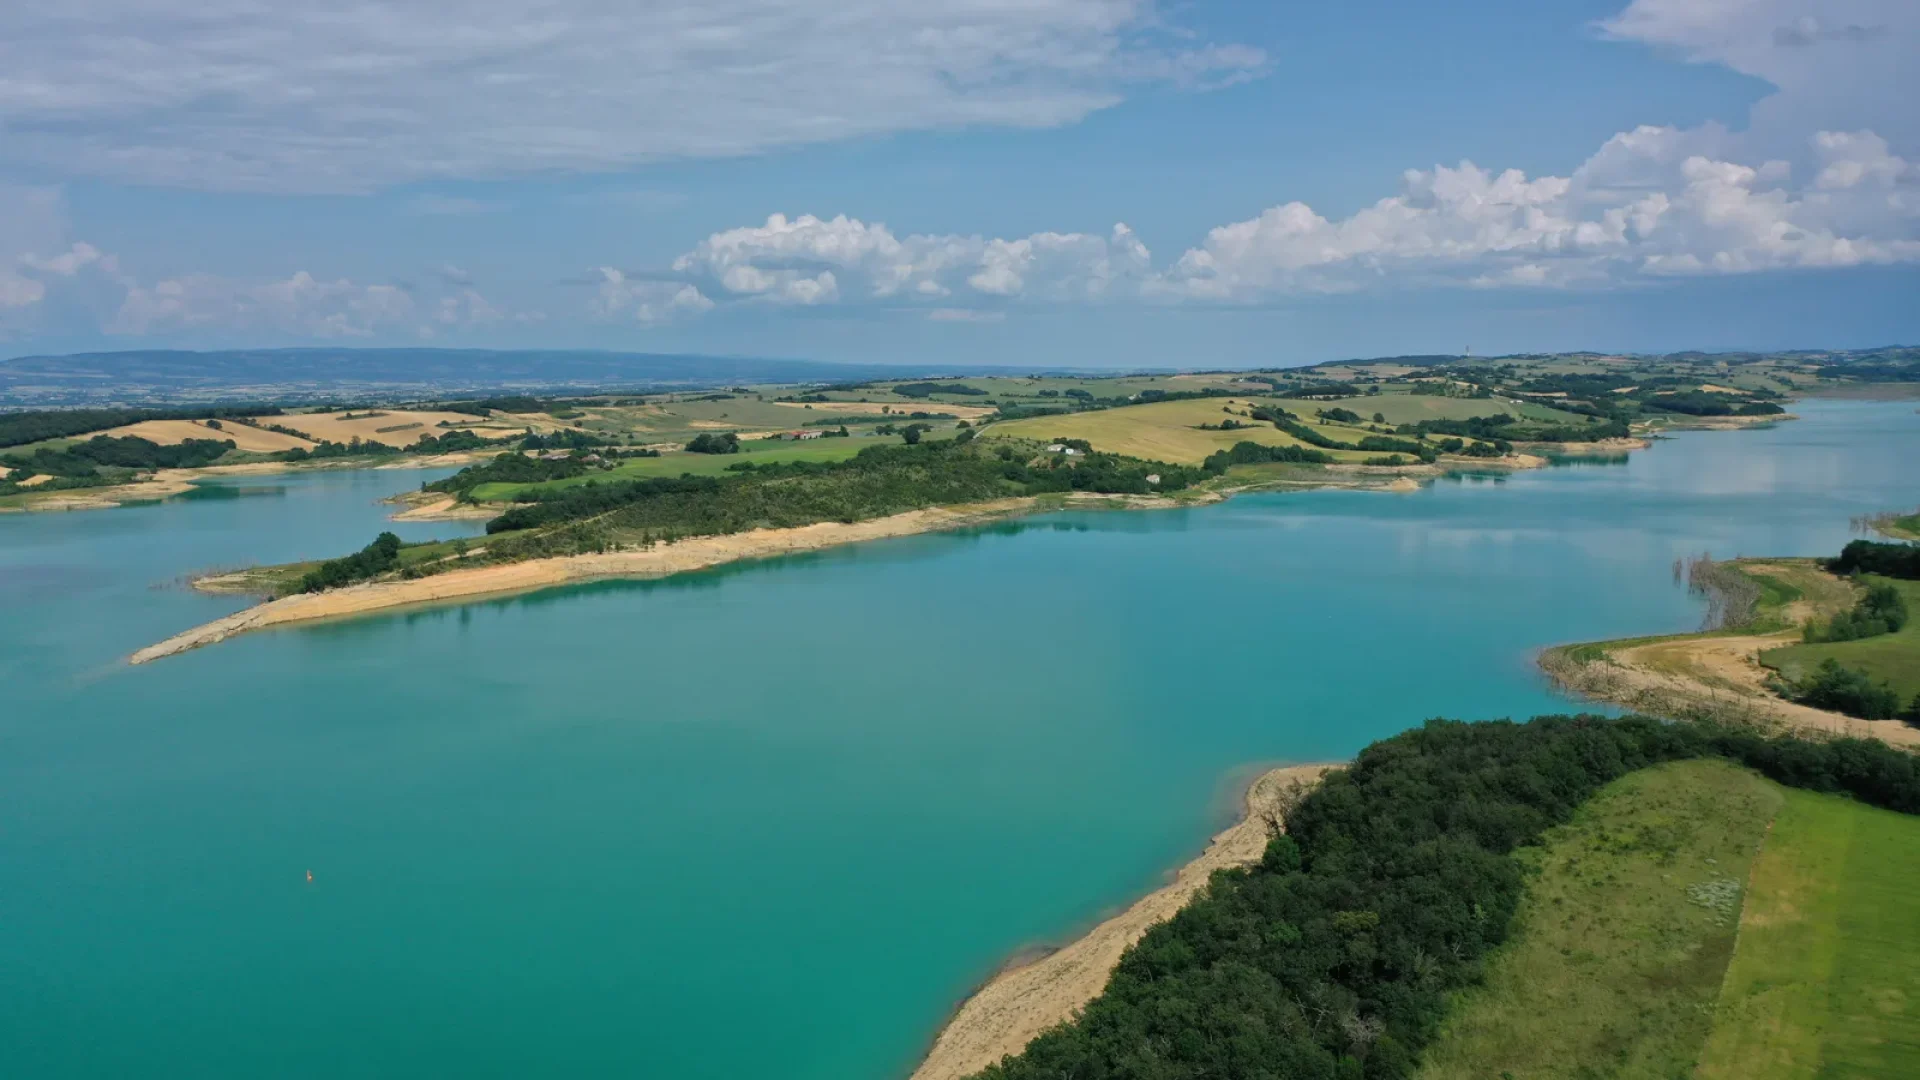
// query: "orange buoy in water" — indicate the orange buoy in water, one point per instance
point(309, 877)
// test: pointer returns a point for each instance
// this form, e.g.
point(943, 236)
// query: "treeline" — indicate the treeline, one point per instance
point(1252, 453)
point(20, 428)
point(1334, 957)
point(369, 562)
point(1373, 444)
point(878, 481)
point(928, 389)
point(85, 459)
point(1873, 557)
point(509, 468)
point(1707, 403)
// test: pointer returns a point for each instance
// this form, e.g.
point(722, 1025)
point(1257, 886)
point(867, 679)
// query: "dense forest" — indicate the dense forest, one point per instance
point(600, 515)
point(878, 481)
point(1333, 958)
point(374, 559)
point(1873, 557)
point(83, 460)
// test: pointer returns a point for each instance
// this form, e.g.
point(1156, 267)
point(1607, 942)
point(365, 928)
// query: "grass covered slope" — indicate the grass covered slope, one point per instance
point(1337, 956)
point(1624, 935)
point(1825, 980)
point(1164, 431)
point(1890, 658)
point(677, 464)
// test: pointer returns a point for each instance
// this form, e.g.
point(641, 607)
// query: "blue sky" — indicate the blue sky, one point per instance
point(1044, 182)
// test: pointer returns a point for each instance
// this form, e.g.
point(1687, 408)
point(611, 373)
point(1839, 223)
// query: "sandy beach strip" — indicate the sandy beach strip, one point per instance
point(1023, 1001)
point(691, 554)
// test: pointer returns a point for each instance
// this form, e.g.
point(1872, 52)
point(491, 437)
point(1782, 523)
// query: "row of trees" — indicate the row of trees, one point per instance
point(1334, 957)
point(369, 562)
point(1873, 557)
point(20, 428)
point(878, 481)
point(85, 459)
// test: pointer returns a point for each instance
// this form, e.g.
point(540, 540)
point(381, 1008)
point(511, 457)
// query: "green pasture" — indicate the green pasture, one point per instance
point(760, 452)
point(1623, 937)
point(1825, 980)
point(1892, 658)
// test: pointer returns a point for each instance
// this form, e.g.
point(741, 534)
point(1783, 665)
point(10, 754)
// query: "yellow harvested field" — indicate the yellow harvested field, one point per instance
point(170, 432)
point(330, 426)
point(36, 480)
point(874, 408)
point(1166, 431)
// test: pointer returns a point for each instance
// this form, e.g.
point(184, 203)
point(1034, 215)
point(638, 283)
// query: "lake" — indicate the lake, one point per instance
point(771, 820)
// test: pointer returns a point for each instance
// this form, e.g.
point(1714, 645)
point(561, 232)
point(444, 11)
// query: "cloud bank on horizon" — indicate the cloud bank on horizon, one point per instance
point(360, 97)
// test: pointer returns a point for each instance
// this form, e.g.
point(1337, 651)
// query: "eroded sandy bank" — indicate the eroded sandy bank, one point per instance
point(693, 554)
point(1710, 676)
point(1023, 1001)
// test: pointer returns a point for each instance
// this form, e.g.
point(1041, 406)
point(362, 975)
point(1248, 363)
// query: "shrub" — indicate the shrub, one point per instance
point(715, 443)
point(1846, 690)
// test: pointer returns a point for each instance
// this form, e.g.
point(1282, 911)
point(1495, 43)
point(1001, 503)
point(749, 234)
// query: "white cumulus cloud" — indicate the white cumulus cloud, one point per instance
point(643, 300)
point(1644, 205)
point(811, 260)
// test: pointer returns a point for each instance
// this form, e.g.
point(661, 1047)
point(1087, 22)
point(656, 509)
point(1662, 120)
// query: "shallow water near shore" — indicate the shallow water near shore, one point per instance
point(771, 820)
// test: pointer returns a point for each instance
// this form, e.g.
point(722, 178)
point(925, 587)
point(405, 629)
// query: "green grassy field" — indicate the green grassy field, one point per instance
point(1901, 527)
point(1825, 980)
point(1624, 936)
point(1168, 431)
point(1413, 408)
point(760, 452)
point(1892, 658)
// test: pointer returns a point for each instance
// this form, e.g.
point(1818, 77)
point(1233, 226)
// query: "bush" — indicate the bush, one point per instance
point(1873, 557)
point(713, 443)
point(369, 562)
point(1881, 611)
point(1846, 690)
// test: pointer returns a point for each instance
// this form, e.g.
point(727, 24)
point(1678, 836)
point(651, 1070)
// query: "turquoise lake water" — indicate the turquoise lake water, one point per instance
point(769, 821)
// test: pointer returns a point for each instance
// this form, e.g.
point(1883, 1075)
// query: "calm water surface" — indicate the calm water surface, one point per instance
point(769, 821)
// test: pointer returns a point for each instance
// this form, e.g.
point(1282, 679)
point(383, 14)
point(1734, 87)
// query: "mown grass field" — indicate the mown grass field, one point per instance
point(1624, 936)
point(676, 464)
point(1167, 431)
point(1892, 658)
point(1413, 408)
point(1825, 980)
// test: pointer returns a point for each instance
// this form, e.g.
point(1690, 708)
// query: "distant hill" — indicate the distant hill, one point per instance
point(347, 374)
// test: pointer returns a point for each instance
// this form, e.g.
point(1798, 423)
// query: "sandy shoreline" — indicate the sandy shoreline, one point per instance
point(1717, 675)
point(1023, 1001)
point(692, 554)
point(1710, 676)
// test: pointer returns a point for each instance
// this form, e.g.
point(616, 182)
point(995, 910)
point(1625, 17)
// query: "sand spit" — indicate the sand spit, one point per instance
point(433, 506)
point(1023, 1001)
point(692, 554)
point(1597, 448)
point(1715, 676)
